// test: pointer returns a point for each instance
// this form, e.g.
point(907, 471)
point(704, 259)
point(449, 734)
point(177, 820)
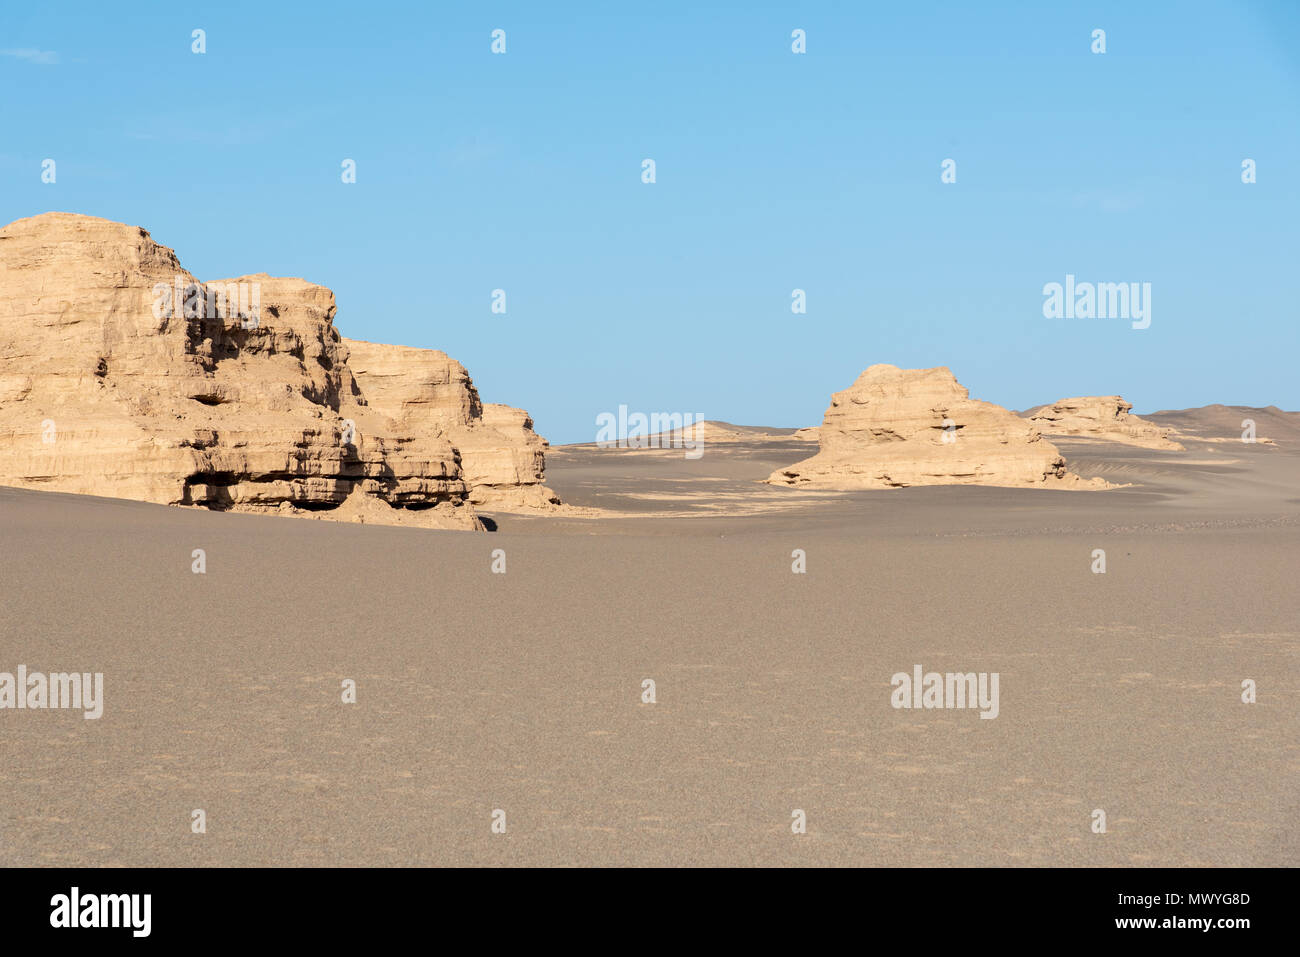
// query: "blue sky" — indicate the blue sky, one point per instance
point(775, 171)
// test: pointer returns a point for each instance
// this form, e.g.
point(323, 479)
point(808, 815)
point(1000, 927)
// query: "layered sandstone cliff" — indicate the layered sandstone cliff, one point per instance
point(899, 427)
point(503, 461)
point(123, 375)
point(1103, 417)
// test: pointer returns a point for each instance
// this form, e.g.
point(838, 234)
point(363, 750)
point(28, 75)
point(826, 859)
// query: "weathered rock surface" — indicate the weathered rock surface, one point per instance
point(1103, 417)
point(502, 460)
point(899, 427)
point(122, 375)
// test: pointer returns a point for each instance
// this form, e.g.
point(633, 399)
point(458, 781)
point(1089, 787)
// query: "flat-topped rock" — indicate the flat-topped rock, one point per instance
point(1103, 417)
point(901, 427)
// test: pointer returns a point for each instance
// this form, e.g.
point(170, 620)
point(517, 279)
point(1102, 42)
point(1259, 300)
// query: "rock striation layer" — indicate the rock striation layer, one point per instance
point(123, 375)
point(1103, 417)
point(503, 461)
point(900, 427)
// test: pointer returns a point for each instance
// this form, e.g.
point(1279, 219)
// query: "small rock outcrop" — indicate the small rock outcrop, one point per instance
point(502, 460)
point(901, 427)
point(123, 375)
point(1103, 417)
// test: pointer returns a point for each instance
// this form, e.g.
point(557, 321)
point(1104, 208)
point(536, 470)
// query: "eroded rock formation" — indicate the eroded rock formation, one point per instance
point(1103, 417)
point(123, 375)
point(899, 427)
point(502, 459)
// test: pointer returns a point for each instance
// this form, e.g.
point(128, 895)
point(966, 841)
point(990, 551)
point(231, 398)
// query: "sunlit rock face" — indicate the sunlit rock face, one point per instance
point(901, 427)
point(123, 375)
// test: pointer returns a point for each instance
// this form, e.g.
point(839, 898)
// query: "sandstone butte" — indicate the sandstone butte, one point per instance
point(108, 387)
point(1103, 417)
point(900, 427)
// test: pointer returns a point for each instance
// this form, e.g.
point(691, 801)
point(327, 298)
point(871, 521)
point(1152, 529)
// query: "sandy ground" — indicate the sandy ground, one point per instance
point(521, 691)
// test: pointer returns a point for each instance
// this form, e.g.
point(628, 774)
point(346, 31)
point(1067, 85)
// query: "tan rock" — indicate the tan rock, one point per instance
point(502, 460)
point(1103, 417)
point(418, 386)
point(122, 375)
point(899, 427)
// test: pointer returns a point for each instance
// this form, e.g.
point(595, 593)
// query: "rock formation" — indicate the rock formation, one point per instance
point(503, 461)
point(1104, 417)
point(122, 375)
point(898, 427)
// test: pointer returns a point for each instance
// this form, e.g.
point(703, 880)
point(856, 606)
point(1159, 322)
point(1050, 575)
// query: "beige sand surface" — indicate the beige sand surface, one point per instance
point(521, 691)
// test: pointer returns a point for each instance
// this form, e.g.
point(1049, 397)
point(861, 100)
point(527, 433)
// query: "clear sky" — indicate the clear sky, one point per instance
point(774, 171)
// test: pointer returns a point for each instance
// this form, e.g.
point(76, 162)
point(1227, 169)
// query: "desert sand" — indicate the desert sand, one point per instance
point(522, 691)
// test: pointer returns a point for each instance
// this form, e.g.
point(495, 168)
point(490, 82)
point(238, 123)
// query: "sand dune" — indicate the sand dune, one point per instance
point(1226, 423)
